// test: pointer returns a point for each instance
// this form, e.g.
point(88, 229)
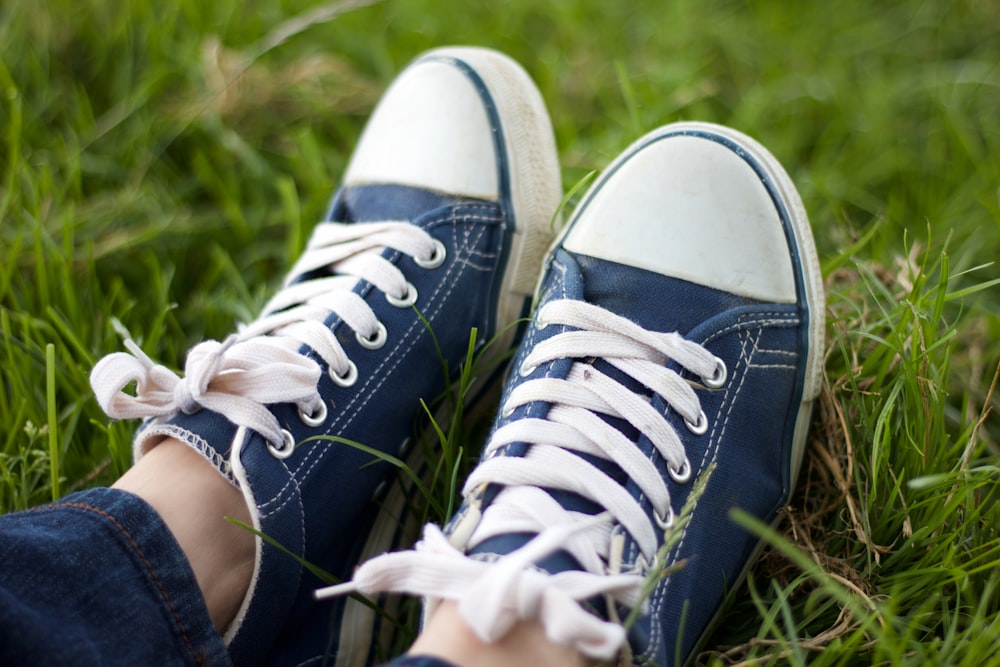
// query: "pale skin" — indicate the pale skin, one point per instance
point(194, 500)
point(446, 636)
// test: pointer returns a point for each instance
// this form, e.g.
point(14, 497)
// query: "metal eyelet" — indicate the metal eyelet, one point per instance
point(664, 522)
point(681, 476)
point(283, 449)
point(645, 566)
point(376, 341)
point(699, 427)
point(408, 299)
point(436, 259)
point(348, 378)
point(315, 419)
point(718, 377)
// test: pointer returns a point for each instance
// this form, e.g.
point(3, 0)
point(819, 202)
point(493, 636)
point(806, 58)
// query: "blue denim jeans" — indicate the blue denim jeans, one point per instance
point(98, 579)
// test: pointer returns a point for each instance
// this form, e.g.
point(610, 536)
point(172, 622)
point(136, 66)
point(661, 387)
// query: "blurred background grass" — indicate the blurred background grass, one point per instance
point(161, 164)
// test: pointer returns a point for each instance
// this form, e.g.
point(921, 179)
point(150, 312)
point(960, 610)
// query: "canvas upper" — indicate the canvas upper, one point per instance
point(438, 230)
point(667, 378)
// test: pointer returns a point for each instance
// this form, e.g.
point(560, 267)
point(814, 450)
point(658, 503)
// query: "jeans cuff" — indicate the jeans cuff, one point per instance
point(101, 570)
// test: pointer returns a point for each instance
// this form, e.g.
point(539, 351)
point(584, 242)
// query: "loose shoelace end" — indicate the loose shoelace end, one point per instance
point(336, 590)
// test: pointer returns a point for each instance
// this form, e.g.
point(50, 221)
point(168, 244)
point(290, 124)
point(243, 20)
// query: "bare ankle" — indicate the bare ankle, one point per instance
point(194, 501)
point(447, 636)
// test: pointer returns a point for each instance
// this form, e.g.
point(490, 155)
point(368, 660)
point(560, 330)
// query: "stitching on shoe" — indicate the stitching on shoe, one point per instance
point(196, 442)
point(560, 285)
point(557, 290)
point(111, 519)
point(745, 321)
point(447, 280)
point(742, 324)
point(346, 414)
point(748, 322)
point(784, 353)
point(445, 286)
point(470, 251)
point(791, 356)
point(716, 434)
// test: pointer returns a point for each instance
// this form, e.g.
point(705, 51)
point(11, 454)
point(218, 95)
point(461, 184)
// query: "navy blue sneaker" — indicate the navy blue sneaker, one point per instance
point(678, 338)
point(443, 220)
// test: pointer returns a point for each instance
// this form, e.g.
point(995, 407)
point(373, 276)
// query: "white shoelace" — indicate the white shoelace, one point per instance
point(261, 364)
point(493, 595)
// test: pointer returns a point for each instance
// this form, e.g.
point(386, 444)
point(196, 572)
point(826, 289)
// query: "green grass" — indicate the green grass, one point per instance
point(161, 165)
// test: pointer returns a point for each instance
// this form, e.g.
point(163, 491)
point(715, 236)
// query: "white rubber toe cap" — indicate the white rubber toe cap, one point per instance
point(431, 131)
point(688, 207)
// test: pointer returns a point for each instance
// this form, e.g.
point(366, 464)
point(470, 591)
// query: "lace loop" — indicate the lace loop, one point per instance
point(495, 592)
point(510, 586)
point(263, 364)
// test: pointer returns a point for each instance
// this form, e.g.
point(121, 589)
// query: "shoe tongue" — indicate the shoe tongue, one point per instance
point(376, 203)
point(560, 561)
